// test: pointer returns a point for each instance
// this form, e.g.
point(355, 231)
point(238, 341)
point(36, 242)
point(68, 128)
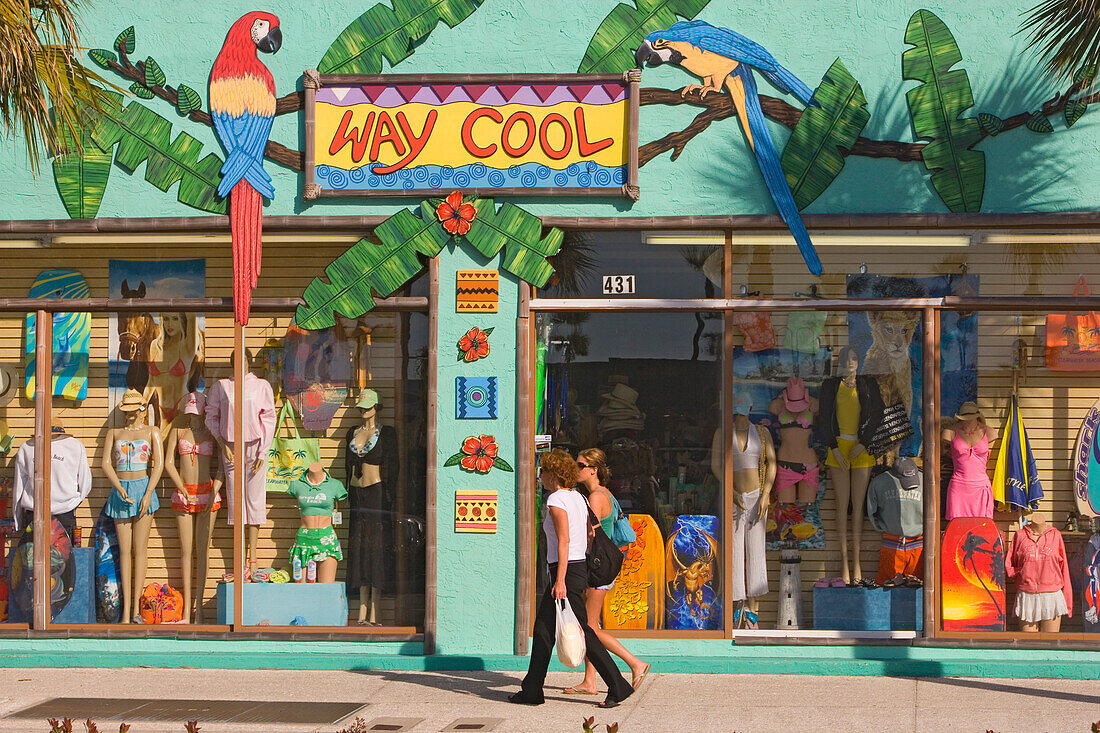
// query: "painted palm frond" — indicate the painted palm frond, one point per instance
point(1066, 33)
point(143, 136)
point(367, 268)
point(611, 49)
point(814, 155)
point(518, 233)
point(44, 87)
point(958, 173)
point(81, 170)
point(390, 32)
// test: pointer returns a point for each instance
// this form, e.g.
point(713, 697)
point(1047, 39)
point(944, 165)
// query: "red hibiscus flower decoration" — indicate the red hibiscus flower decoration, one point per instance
point(479, 453)
point(474, 345)
point(456, 215)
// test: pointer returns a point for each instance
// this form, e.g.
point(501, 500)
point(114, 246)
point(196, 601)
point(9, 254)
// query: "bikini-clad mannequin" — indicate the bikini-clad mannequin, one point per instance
point(317, 494)
point(751, 447)
point(850, 412)
point(133, 459)
point(197, 497)
point(970, 492)
point(798, 471)
point(370, 462)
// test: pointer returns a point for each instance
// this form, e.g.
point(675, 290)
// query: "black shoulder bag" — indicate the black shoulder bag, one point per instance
point(603, 557)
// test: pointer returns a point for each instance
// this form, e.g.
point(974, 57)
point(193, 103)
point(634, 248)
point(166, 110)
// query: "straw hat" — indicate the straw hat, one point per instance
point(9, 380)
point(795, 396)
point(969, 411)
point(131, 401)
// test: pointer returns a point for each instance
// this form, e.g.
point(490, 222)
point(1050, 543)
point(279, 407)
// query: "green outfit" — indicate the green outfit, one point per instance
point(316, 501)
point(803, 330)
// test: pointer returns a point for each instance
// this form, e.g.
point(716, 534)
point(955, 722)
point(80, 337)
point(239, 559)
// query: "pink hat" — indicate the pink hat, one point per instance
point(194, 404)
point(795, 396)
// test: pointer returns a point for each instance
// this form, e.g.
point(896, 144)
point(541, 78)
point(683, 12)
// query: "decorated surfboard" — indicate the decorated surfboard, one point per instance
point(973, 575)
point(638, 599)
point(797, 525)
point(108, 579)
point(693, 574)
point(1090, 589)
point(1086, 464)
point(316, 373)
point(62, 571)
point(72, 334)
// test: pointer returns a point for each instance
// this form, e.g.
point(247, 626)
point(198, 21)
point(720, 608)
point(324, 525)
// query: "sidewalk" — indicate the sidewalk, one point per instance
point(666, 702)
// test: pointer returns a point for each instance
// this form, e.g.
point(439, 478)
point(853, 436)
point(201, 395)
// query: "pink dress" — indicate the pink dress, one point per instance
point(970, 493)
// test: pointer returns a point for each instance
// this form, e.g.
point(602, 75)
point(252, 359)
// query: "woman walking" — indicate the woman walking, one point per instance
point(567, 532)
point(594, 475)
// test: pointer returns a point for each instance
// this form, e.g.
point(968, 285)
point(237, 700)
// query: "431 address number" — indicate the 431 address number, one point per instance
point(618, 284)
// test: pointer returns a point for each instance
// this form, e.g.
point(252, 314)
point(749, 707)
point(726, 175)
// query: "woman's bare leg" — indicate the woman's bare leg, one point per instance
point(842, 490)
point(593, 602)
point(860, 478)
point(185, 522)
point(124, 528)
point(205, 534)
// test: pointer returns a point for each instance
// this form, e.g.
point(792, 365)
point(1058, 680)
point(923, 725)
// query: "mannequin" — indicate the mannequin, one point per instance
point(197, 497)
point(970, 492)
point(369, 461)
point(259, 430)
point(70, 480)
point(851, 410)
point(133, 459)
point(798, 469)
point(317, 494)
point(1037, 560)
point(895, 506)
point(754, 468)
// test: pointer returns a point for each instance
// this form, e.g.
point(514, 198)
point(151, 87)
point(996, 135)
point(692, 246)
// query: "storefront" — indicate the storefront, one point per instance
point(460, 271)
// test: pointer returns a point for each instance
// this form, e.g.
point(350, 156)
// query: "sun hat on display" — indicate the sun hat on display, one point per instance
point(795, 396)
point(131, 401)
point(969, 411)
point(8, 379)
point(368, 400)
point(194, 404)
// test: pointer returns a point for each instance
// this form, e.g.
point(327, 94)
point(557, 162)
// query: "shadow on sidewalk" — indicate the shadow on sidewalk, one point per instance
point(483, 684)
point(1021, 689)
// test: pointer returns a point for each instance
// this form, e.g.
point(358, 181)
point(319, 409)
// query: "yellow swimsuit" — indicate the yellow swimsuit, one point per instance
point(847, 423)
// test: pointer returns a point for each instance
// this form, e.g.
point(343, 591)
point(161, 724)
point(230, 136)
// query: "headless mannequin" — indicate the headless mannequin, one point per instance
point(794, 447)
point(850, 484)
point(326, 569)
point(133, 533)
point(195, 469)
point(746, 480)
point(370, 598)
point(1038, 524)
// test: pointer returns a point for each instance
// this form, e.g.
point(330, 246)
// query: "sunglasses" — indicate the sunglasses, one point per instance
point(584, 465)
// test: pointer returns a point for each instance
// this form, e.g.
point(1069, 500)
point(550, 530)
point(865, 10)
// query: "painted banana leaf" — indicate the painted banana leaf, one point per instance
point(518, 233)
point(390, 32)
point(611, 49)
point(814, 155)
point(353, 278)
point(81, 173)
point(143, 136)
point(958, 173)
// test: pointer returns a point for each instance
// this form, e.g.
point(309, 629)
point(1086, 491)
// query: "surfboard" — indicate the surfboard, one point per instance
point(1086, 464)
point(693, 574)
point(62, 571)
point(638, 599)
point(72, 334)
point(108, 579)
point(972, 561)
point(1090, 588)
point(316, 373)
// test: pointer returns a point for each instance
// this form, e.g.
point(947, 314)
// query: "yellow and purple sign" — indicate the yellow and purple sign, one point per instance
point(393, 135)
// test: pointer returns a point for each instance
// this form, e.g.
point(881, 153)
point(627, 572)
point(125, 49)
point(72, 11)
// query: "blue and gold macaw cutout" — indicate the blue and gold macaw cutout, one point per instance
point(722, 58)
point(72, 333)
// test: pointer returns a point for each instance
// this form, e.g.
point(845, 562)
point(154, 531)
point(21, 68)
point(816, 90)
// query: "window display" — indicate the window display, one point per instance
point(1036, 560)
point(316, 549)
point(970, 492)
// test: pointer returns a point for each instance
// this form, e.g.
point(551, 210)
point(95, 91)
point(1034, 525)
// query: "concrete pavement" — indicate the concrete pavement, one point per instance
point(696, 703)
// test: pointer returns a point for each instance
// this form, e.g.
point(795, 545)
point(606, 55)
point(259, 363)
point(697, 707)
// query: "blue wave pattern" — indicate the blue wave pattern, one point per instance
point(473, 175)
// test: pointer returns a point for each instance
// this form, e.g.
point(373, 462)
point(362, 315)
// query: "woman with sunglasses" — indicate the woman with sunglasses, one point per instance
point(594, 475)
point(567, 534)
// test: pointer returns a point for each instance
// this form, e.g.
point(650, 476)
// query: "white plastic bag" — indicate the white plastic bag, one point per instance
point(570, 636)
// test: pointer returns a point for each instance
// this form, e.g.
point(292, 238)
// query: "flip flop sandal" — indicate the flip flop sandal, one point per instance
point(610, 704)
point(574, 691)
point(641, 678)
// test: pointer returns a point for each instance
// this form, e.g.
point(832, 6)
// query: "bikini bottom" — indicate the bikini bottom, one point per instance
point(790, 473)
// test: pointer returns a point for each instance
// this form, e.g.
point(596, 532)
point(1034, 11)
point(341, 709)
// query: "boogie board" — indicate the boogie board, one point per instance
point(1090, 589)
point(1086, 464)
point(71, 335)
point(638, 599)
point(108, 579)
point(973, 575)
point(693, 574)
point(62, 571)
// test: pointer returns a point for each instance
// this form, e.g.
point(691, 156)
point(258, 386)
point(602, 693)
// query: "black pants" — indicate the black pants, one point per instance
point(576, 581)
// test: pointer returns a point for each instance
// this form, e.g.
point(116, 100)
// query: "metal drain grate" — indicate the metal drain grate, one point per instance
point(393, 725)
point(474, 724)
point(204, 711)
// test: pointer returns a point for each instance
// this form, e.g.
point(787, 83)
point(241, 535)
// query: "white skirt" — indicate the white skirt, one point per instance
point(1031, 608)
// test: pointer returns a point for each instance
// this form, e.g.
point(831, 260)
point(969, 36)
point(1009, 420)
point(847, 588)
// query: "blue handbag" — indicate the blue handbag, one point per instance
point(622, 534)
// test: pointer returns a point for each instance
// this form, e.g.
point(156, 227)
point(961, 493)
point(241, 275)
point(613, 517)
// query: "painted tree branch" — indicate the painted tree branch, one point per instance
point(281, 154)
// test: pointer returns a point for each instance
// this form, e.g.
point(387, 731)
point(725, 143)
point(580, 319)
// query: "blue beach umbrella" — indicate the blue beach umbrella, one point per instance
point(1016, 484)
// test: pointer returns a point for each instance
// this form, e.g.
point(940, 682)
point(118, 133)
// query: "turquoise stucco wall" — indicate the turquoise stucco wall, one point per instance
point(476, 573)
point(714, 175)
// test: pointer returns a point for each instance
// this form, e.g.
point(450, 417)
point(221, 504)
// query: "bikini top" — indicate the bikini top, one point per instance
point(750, 457)
point(788, 419)
point(176, 370)
point(132, 455)
point(202, 448)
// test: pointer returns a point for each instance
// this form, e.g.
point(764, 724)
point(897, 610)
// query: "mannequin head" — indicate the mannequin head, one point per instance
point(194, 407)
point(742, 403)
point(848, 361)
point(132, 407)
point(369, 404)
point(247, 361)
point(969, 417)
